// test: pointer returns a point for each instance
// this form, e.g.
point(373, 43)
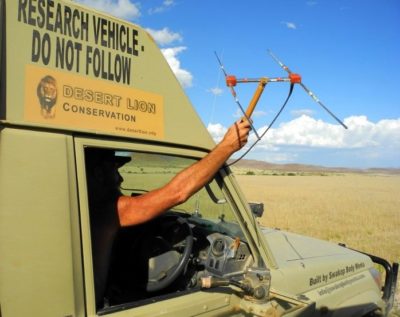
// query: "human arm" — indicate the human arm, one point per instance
point(139, 209)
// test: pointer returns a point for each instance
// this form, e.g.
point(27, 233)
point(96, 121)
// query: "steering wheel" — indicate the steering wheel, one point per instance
point(169, 251)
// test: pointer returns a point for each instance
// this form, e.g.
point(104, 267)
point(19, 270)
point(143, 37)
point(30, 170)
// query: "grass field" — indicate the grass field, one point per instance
point(360, 210)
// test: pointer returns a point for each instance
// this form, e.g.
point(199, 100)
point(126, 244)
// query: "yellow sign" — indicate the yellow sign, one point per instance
point(73, 101)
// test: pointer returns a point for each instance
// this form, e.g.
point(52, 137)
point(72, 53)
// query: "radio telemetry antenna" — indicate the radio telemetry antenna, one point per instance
point(293, 78)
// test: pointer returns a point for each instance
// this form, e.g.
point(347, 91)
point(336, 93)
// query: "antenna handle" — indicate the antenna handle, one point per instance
point(257, 94)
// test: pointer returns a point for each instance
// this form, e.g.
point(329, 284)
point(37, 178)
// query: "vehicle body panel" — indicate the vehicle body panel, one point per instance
point(35, 224)
point(323, 272)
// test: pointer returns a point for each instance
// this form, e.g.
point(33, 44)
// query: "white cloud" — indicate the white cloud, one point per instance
point(164, 36)
point(363, 144)
point(124, 9)
point(300, 112)
point(305, 131)
point(217, 131)
point(364, 133)
point(290, 25)
point(184, 76)
point(216, 91)
point(165, 5)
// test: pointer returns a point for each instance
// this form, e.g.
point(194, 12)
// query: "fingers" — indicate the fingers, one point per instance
point(237, 135)
point(242, 132)
point(243, 126)
point(236, 125)
point(244, 121)
point(243, 139)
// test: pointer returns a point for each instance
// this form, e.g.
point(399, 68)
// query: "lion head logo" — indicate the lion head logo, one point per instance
point(47, 94)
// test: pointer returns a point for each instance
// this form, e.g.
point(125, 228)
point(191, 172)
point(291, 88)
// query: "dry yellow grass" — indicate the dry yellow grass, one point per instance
point(362, 211)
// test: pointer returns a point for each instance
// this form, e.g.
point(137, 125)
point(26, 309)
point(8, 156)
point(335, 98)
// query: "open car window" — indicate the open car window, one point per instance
point(169, 255)
point(146, 172)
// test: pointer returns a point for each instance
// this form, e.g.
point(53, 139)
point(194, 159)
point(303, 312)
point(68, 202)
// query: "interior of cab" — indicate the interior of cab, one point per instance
point(169, 255)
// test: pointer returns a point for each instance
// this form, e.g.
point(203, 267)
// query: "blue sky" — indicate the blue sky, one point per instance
point(347, 52)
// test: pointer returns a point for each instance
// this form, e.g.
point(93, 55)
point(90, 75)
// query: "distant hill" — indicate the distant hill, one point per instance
point(301, 168)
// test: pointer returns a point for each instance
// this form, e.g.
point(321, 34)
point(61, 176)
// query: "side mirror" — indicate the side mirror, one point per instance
point(257, 209)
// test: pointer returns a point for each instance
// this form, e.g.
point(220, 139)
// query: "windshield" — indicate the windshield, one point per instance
point(147, 171)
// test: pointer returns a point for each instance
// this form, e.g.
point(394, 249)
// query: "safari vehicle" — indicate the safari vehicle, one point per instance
point(74, 81)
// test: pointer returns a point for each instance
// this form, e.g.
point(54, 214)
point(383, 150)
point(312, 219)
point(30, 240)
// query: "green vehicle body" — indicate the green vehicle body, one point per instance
point(114, 90)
